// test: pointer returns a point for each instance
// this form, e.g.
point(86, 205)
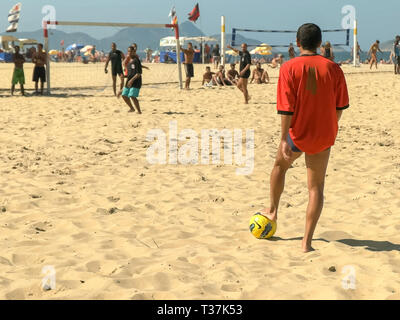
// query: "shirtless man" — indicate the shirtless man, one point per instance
point(208, 77)
point(39, 58)
point(260, 75)
point(373, 52)
point(233, 75)
point(189, 56)
point(18, 75)
point(221, 79)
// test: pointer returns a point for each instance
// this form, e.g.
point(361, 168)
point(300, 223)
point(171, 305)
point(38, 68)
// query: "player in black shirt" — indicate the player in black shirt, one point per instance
point(245, 72)
point(116, 57)
point(133, 82)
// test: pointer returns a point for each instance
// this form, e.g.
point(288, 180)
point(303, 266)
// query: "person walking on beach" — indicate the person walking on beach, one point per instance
point(216, 56)
point(39, 58)
point(396, 53)
point(312, 94)
point(244, 71)
point(292, 53)
point(130, 92)
point(373, 51)
point(18, 74)
point(116, 57)
point(328, 51)
point(189, 56)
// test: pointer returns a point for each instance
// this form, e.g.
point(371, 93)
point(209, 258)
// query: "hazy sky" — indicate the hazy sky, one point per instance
point(377, 19)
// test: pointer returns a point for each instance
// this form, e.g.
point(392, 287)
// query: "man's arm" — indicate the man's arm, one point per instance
point(235, 50)
point(286, 121)
point(107, 62)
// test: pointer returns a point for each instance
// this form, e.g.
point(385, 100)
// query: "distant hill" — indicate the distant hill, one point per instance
point(144, 37)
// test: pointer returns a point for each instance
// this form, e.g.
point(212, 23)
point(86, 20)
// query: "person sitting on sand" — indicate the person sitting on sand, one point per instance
point(18, 74)
point(233, 75)
point(260, 75)
point(221, 79)
point(277, 61)
point(133, 83)
point(208, 77)
point(312, 94)
point(373, 51)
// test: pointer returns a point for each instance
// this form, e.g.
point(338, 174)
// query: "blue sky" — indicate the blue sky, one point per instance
point(377, 20)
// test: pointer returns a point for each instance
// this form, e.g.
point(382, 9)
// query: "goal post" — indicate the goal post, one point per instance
point(110, 24)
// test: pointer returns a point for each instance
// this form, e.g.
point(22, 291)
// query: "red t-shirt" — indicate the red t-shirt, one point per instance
point(312, 88)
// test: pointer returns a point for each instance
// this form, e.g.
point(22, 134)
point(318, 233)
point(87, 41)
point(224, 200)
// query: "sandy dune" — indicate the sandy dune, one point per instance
point(78, 194)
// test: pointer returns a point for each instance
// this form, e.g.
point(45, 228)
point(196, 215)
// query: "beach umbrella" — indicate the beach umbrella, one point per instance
point(86, 48)
point(74, 47)
point(263, 49)
point(231, 53)
point(53, 52)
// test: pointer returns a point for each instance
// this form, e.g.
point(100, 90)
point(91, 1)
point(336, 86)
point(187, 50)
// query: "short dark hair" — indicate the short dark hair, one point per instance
point(310, 36)
point(40, 45)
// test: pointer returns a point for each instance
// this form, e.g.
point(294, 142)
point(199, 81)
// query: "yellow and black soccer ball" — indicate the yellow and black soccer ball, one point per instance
point(261, 227)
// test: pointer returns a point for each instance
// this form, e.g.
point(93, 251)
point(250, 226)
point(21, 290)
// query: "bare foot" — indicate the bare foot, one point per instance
point(273, 216)
point(119, 94)
point(306, 247)
point(132, 110)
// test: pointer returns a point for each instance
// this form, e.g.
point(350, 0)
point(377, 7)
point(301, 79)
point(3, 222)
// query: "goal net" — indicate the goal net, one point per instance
point(77, 65)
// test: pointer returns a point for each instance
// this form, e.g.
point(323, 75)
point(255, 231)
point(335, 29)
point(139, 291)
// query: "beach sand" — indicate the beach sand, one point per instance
point(77, 194)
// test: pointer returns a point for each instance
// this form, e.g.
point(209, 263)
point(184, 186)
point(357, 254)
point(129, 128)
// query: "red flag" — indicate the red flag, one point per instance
point(195, 14)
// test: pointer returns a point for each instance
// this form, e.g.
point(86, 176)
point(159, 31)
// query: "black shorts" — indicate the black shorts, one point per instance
point(116, 70)
point(39, 73)
point(189, 70)
point(246, 75)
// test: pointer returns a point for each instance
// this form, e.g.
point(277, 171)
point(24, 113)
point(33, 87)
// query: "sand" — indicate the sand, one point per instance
point(78, 194)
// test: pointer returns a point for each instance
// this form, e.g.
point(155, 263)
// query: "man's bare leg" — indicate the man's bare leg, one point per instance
point(245, 91)
point(316, 172)
point(136, 102)
point(12, 89)
point(129, 103)
point(41, 87)
point(22, 90)
point(114, 79)
point(187, 83)
point(277, 181)
point(122, 82)
point(36, 87)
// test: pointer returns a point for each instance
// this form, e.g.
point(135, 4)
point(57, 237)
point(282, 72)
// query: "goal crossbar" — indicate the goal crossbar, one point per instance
point(110, 24)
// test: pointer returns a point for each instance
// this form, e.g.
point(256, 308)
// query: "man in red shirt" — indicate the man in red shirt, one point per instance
point(312, 94)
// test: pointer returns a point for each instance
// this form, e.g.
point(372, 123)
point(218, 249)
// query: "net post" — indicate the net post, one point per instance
point(355, 45)
point(178, 55)
point(46, 49)
point(223, 40)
